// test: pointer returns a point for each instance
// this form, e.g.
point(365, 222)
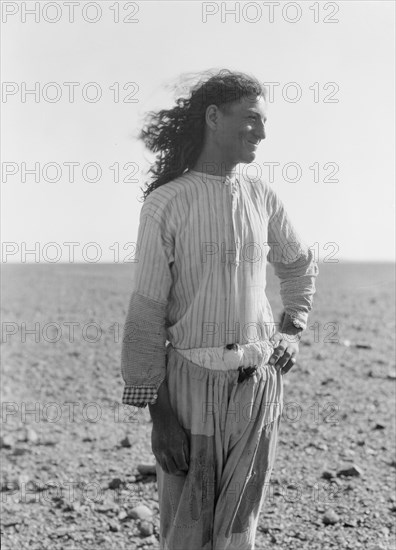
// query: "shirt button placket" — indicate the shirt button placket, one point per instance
point(234, 201)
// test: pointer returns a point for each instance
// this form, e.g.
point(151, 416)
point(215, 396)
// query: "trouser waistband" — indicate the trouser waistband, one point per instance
point(243, 357)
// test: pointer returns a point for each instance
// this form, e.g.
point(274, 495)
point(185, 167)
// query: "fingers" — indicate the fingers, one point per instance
point(176, 462)
point(277, 355)
point(284, 359)
point(289, 365)
point(284, 356)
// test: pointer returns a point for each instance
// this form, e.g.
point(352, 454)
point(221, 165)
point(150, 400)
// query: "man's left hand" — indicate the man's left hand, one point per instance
point(285, 352)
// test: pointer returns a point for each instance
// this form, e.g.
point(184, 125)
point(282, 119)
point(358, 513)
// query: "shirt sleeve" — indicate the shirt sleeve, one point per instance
point(143, 356)
point(293, 263)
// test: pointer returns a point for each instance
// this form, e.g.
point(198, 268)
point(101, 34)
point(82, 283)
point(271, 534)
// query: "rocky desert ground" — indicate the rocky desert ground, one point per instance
point(76, 463)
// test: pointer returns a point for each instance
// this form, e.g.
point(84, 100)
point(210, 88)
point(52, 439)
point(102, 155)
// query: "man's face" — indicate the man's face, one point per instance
point(241, 129)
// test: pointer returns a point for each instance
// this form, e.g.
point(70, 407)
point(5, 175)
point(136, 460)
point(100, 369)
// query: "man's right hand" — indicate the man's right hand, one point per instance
point(169, 441)
point(170, 446)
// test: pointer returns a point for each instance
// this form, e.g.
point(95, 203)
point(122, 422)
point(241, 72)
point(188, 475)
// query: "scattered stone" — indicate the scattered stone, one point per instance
point(115, 483)
point(126, 442)
point(349, 523)
point(104, 541)
point(72, 506)
point(63, 532)
point(320, 446)
point(151, 540)
point(327, 475)
point(12, 523)
point(31, 436)
point(370, 451)
point(346, 343)
point(113, 526)
point(107, 508)
point(49, 442)
point(19, 451)
point(347, 453)
point(335, 481)
point(391, 376)
point(122, 515)
point(6, 442)
point(352, 471)
point(147, 469)
point(139, 477)
point(141, 512)
point(379, 427)
point(330, 517)
point(146, 528)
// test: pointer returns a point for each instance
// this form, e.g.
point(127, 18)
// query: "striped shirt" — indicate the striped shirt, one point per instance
point(202, 251)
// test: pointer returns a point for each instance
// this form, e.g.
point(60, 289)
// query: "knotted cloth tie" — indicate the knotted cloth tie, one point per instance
point(244, 372)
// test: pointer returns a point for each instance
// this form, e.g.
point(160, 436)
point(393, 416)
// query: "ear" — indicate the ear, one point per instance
point(212, 116)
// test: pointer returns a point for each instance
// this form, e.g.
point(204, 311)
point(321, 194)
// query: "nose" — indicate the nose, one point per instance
point(260, 130)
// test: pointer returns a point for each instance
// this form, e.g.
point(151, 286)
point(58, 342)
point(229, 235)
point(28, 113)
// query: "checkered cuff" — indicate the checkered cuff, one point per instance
point(139, 396)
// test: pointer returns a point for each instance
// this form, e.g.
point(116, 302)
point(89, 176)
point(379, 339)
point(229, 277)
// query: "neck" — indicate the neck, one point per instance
point(215, 165)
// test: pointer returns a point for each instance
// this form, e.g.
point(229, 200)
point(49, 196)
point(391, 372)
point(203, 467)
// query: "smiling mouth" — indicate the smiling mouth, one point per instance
point(254, 143)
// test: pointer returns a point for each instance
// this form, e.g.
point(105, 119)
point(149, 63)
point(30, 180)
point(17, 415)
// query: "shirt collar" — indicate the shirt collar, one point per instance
point(204, 176)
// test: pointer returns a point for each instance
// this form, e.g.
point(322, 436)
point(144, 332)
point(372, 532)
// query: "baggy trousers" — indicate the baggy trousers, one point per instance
point(233, 430)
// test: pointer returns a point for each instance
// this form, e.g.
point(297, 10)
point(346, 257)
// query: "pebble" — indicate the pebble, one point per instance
point(63, 532)
point(126, 442)
point(115, 483)
point(141, 512)
point(31, 436)
point(379, 427)
point(146, 528)
point(6, 442)
point(113, 526)
point(147, 469)
point(352, 471)
point(72, 507)
point(327, 475)
point(349, 523)
point(330, 517)
point(19, 451)
point(151, 540)
point(49, 442)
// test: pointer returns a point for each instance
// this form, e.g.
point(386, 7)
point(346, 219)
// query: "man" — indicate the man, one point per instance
point(215, 392)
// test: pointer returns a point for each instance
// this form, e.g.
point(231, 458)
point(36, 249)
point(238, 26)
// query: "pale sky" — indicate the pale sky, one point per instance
point(351, 61)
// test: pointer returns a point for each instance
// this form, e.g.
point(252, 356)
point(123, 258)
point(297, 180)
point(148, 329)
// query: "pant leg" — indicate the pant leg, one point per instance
point(187, 503)
point(250, 442)
point(232, 431)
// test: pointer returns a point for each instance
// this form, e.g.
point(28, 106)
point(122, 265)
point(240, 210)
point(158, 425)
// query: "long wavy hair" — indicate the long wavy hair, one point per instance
point(177, 135)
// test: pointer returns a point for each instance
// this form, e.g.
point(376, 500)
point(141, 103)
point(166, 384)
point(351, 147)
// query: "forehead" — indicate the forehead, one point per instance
point(251, 105)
